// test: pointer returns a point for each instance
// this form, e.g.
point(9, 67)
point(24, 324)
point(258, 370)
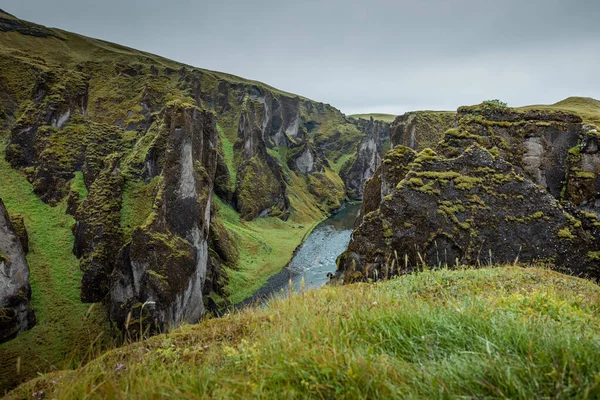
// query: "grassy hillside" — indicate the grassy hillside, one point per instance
point(66, 329)
point(380, 117)
point(490, 333)
point(586, 107)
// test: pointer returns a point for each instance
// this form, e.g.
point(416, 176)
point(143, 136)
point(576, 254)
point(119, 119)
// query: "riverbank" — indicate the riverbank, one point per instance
point(314, 258)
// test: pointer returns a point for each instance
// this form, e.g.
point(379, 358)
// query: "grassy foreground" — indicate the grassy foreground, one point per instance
point(489, 333)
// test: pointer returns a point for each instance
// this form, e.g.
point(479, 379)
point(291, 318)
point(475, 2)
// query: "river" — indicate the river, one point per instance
point(315, 257)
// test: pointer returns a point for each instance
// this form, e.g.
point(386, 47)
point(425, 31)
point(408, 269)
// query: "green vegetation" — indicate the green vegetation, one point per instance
point(78, 186)
point(495, 103)
point(586, 107)
point(265, 245)
point(138, 199)
point(489, 333)
point(378, 117)
point(67, 331)
point(424, 129)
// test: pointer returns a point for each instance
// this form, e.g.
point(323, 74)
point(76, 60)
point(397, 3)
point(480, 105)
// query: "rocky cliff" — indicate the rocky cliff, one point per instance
point(493, 191)
point(421, 129)
point(365, 162)
point(16, 314)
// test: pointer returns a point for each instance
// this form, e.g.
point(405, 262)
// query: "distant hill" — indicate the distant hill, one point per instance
point(586, 107)
point(378, 117)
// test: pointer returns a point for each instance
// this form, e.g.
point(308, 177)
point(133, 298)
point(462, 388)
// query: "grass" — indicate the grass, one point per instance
point(65, 331)
point(490, 333)
point(138, 199)
point(339, 163)
point(78, 185)
point(380, 117)
point(228, 152)
point(586, 107)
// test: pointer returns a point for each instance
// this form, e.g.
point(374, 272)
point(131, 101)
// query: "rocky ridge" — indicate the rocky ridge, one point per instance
point(503, 186)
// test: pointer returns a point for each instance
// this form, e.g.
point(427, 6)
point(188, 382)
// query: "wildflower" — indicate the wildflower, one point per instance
point(119, 366)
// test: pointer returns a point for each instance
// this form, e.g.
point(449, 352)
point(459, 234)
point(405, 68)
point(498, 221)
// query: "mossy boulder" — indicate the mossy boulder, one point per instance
point(483, 198)
point(16, 314)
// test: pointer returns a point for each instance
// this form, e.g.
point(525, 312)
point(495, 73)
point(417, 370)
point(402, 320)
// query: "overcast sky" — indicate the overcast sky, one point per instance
point(361, 56)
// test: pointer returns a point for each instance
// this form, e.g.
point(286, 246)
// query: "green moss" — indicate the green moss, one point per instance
point(593, 255)
point(415, 182)
point(585, 175)
point(138, 200)
point(78, 186)
point(565, 233)
point(3, 258)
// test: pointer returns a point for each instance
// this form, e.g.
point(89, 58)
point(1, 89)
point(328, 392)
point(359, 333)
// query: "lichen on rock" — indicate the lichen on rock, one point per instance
point(480, 199)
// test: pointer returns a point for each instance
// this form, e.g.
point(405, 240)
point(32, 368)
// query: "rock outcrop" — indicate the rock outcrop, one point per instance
point(260, 189)
point(160, 275)
point(368, 156)
point(16, 314)
point(421, 129)
point(491, 194)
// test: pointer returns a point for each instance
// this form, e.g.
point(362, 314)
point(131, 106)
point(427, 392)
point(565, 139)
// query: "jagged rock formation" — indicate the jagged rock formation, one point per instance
point(421, 129)
point(583, 166)
point(491, 194)
point(260, 189)
point(368, 157)
point(166, 263)
point(16, 314)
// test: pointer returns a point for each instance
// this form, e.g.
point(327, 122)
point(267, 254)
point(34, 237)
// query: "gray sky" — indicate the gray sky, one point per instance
point(361, 56)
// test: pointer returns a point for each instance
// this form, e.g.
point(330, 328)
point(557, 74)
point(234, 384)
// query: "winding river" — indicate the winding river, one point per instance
point(315, 257)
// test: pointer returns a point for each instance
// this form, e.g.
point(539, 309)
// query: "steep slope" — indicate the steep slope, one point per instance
point(503, 185)
point(487, 333)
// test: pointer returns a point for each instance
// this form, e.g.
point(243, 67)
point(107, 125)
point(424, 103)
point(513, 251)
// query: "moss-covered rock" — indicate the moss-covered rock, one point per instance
point(16, 315)
point(18, 224)
point(260, 188)
point(421, 129)
point(368, 157)
point(98, 235)
point(160, 275)
point(487, 196)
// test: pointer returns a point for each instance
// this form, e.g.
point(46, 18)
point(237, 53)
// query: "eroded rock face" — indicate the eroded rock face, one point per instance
point(16, 314)
point(260, 189)
point(421, 129)
point(165, 265)
point(489, 196)
point(583, 177)
point(368, 157)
